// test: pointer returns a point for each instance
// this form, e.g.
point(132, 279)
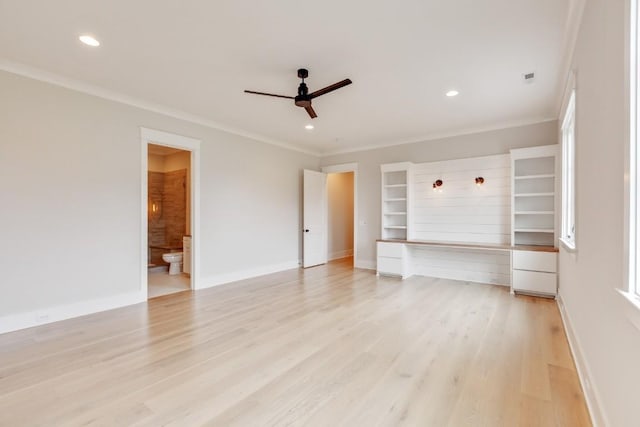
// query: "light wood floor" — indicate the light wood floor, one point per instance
point(328, 346)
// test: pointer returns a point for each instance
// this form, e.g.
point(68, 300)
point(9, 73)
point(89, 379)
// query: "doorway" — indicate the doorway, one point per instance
point(170, 217)
point(342, 212)
point(168, 220)
point(340, 218)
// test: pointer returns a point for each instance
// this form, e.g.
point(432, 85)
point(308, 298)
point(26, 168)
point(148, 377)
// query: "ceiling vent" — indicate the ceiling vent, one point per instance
point(529, 77)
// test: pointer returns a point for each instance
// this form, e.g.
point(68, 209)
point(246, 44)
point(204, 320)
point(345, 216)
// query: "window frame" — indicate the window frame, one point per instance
point(633, 287)
point(568, 134)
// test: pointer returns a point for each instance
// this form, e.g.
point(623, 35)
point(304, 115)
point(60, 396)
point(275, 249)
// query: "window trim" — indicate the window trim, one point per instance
point(568, 134)
point(632, 286)
point(630, 292)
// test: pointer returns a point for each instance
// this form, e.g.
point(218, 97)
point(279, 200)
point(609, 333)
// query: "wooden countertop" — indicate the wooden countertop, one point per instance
point(469, 245)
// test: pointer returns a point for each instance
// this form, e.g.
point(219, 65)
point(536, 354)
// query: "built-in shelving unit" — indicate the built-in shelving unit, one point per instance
point(534, 206)
point(395, 200)
point(502, 231)
point(534, 194)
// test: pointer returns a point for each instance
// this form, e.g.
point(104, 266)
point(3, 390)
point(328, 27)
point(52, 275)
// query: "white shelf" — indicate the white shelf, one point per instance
point(534, 213)
point(395, 213)
point(395, 186)
point(398, 199)
point(548, 175)
point(396, 227)
point(533, 230)
point(534, 195)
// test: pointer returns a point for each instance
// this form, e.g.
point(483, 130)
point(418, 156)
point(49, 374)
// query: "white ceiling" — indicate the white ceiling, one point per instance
point(198, 57)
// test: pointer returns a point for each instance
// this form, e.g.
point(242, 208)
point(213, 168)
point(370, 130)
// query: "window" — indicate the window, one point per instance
point(633, 211)
point(568, 174)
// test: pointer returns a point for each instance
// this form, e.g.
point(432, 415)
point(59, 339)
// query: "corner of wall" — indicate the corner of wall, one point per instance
point(592, 397)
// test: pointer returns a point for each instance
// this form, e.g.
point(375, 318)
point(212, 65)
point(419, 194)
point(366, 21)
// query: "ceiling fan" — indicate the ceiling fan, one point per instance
point(304, 97)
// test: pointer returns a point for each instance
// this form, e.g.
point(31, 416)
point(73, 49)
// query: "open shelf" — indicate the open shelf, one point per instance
point(534, 213)
point(397, 199)
point(395, 213)
point(535, 195)
point(546, 175)
point(396, 227)
point(534, 189)
point(395, 185)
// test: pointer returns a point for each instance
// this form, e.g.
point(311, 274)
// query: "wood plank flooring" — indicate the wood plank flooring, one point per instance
point(327, 346)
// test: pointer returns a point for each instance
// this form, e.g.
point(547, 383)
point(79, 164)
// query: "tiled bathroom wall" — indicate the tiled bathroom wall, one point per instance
point(174, 202)
point(167, 224)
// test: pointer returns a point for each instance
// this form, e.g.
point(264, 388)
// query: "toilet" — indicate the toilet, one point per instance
point(175, 260)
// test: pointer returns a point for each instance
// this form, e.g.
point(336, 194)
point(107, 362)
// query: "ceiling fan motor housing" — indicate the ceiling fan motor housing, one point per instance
point(303, 101)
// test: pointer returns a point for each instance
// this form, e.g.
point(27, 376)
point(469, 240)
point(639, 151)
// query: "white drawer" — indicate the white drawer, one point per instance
point(535, 261)
point(391, 266)
point(391, 250)
point(534, 282)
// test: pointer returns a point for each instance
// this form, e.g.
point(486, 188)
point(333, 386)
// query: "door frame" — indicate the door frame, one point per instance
point(157, 137)
point(340, 168)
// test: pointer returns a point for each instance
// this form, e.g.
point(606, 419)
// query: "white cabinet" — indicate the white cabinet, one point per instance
point(534, 282)
point(535, 272)
point(535, 261)
point(396, 200)
point(392, 259)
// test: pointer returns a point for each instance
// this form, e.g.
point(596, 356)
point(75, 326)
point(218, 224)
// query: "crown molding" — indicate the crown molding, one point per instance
point(90, 89)
point(443, 135)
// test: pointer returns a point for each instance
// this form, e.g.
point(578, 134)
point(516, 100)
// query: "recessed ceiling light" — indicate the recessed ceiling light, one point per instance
point(88, 40)
point(452, 93)
point(308, 127)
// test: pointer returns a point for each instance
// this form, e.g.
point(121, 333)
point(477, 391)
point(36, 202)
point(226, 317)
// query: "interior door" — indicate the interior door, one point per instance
point(314, 242)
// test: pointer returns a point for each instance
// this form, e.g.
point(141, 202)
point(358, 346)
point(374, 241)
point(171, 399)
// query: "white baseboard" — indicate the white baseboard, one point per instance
point(598, 417)
point(14, 322)
point(340, 254)
point(367, 264)
point(234, 276)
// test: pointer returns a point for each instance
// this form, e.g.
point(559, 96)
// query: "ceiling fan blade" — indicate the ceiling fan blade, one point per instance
point(269, 94)
point(311, 112)
point(331, 88)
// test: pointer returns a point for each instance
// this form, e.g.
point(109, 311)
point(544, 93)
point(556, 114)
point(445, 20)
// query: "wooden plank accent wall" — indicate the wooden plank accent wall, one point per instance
point(462, 212)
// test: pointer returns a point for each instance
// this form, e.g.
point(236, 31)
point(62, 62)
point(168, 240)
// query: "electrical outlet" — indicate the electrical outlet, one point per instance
point(41, 318)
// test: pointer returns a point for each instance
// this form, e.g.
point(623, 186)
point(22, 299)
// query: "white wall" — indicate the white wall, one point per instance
point(608, 345)
point(70, 182)
point(458, 147)
point(340, 218)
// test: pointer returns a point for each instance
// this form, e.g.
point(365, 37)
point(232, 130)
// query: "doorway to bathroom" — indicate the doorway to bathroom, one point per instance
point(168, 225)
point(170, 217)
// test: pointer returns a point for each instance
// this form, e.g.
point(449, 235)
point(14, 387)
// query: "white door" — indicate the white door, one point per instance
point(314, 249)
